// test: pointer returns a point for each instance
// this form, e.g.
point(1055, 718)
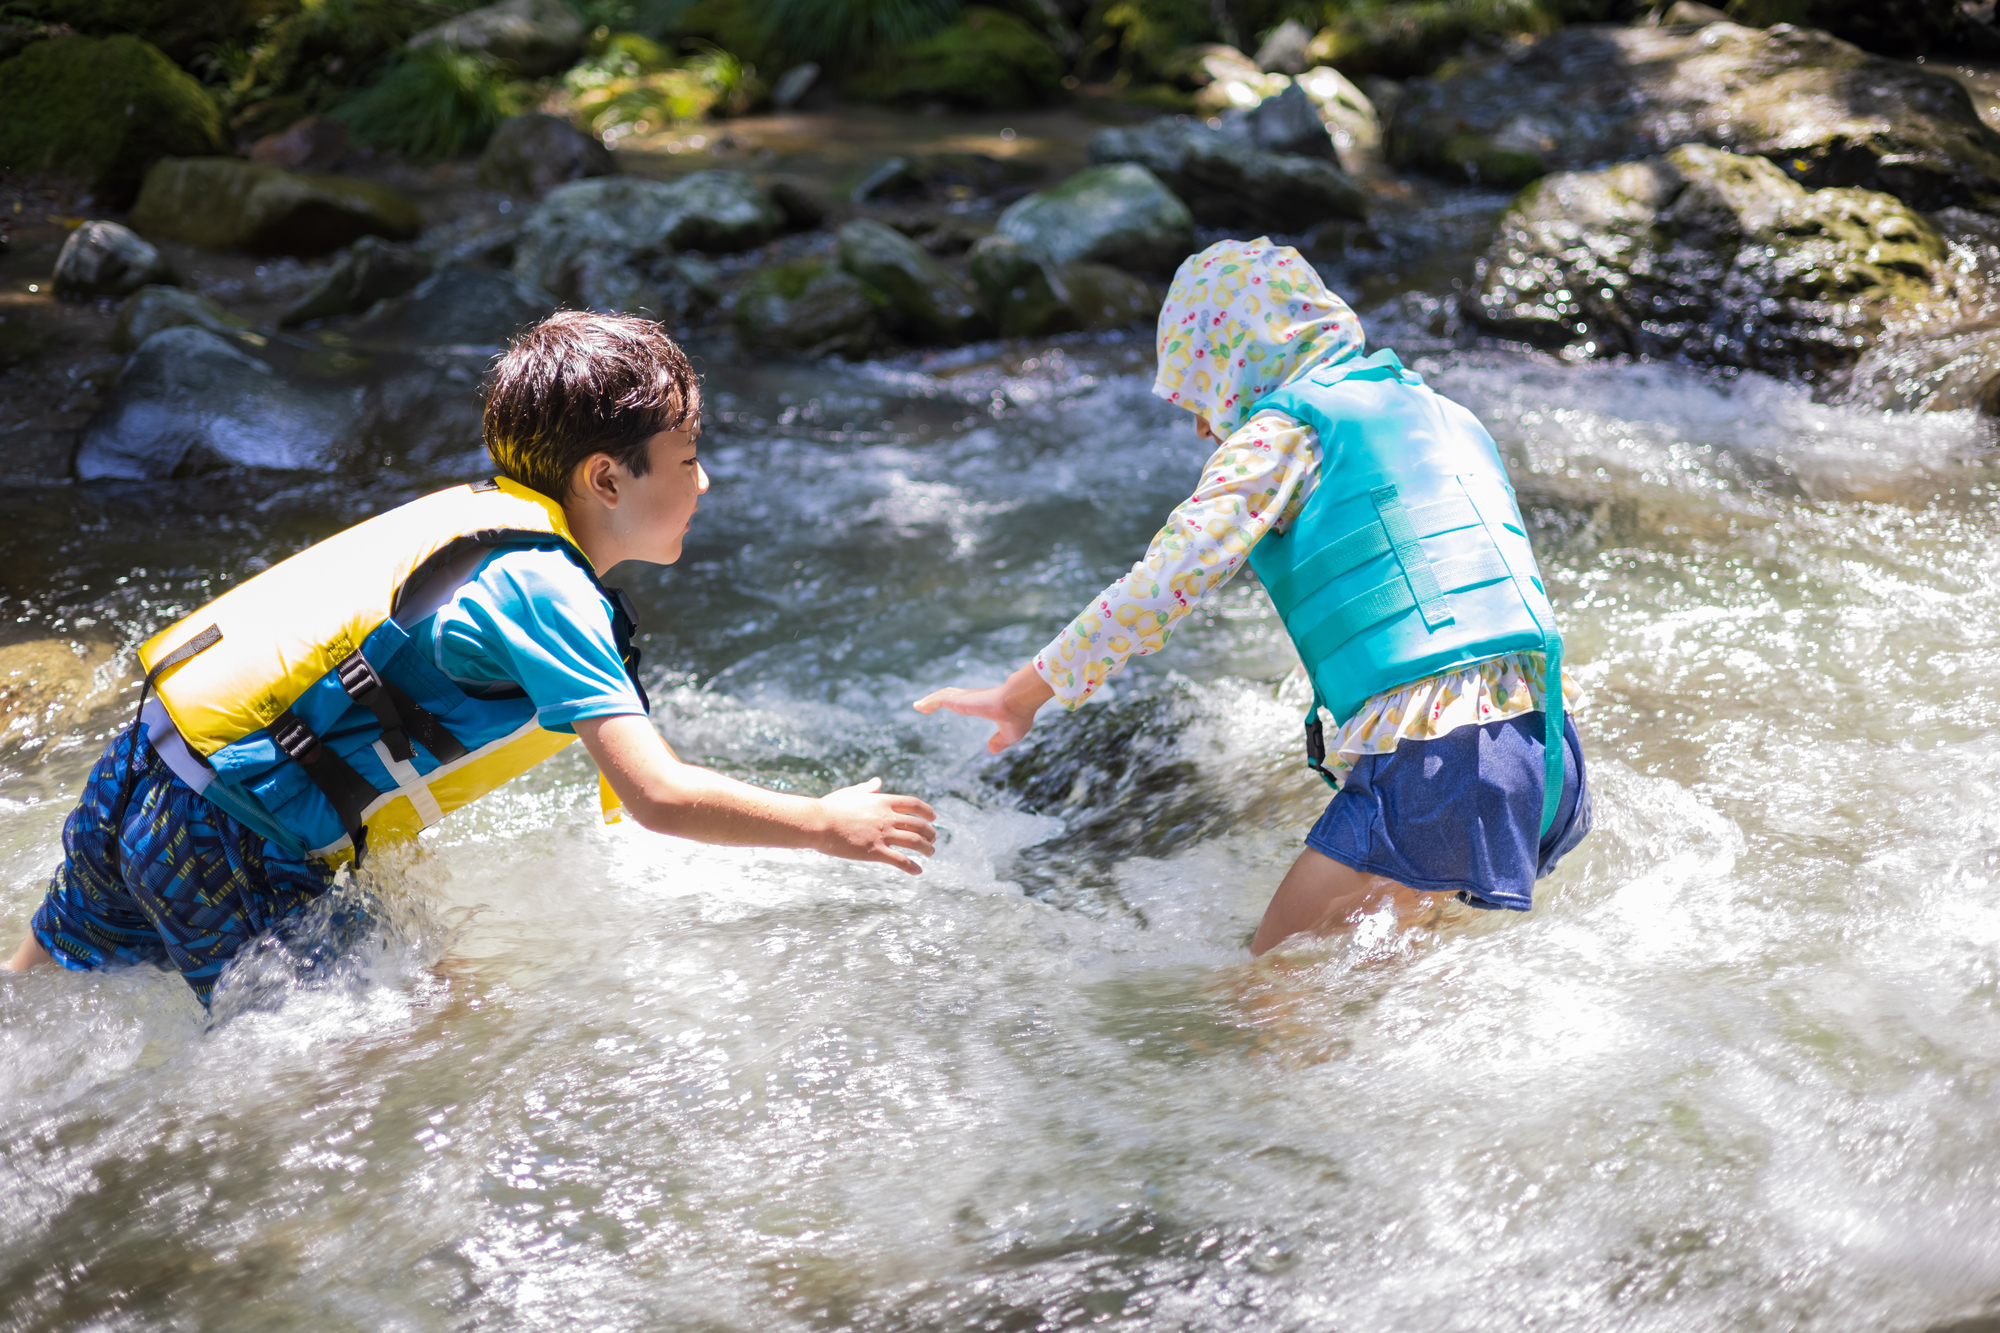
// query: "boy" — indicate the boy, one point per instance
point(396, 671)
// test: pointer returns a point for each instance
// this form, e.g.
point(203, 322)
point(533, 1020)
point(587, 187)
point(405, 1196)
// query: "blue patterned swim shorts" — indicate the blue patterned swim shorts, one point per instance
point(178, 883)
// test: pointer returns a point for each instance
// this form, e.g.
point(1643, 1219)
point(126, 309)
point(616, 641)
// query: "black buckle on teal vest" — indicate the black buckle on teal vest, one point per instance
point(347, 791)
point(400, 716)
point(1316, 747)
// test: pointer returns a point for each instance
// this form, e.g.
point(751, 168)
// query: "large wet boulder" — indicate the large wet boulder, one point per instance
point(220, 203)
point(1227, 180)
point(1708, 255)
point(459, 307)
point(984, 58)
point(533, 154)
point(1119, 214)
point(533, 37)
point(926, 300)
point(105, 259)
point(151, 309)
point(1827, 112)
point(810, 307)
point(100, 111)
point(624, 216)
point(190, 401)
point(371, 270)
point(1030, 297)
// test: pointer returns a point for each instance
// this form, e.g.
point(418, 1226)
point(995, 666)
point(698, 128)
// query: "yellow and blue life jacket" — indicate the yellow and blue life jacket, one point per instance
point(324, 727)
point(1410, 557)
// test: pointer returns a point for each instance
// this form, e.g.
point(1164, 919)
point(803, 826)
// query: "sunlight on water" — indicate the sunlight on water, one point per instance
point(1740, 1067)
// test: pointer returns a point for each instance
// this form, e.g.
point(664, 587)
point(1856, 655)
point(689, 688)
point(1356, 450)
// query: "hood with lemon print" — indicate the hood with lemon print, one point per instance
point(1240, 320)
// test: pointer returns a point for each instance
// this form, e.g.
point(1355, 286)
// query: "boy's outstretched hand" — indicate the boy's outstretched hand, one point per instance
point(1009, 706)
point(865, 823)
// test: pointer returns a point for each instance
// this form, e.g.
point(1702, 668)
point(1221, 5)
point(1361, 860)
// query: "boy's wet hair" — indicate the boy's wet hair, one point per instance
point(578, 384)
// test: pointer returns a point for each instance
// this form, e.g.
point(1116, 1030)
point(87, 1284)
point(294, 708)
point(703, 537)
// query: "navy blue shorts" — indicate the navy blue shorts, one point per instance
point(1459, 813)
point(185, 886)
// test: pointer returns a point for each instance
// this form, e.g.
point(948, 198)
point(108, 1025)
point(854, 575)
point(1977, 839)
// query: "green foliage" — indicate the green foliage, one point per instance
point(841, 34)
point(631, 80)
point(986, 58)
point(101, 110)
point(182, 29)
point(1403, 40)
point(1139, 38)
point(310, 55)
point(434, 102)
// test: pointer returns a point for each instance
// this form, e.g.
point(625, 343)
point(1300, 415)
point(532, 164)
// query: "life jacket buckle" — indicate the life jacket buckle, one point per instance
point(296, 739)
point(366, 687)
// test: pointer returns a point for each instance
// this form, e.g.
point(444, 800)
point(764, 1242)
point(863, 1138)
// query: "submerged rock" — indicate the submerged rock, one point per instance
point(1119, 214)
point(926, 300)
point(459, 307)
point(533, 37)
point(1031, 297)
point(1955, 373)
point(811, 307)
point(533, 154)
point(373, 270)
point(105, 259)
point(151, 309)
point(623, 217)
point(1710, 255)
point(100, 111)
point(1226, 180)
point(1829, 113)
point(220, 203)
point(190, 401)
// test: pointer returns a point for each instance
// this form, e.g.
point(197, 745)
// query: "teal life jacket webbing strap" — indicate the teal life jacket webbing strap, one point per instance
point(347, 791)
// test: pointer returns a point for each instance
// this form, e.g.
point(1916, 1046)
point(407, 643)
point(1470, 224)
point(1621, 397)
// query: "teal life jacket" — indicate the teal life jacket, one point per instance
point(1410, 557)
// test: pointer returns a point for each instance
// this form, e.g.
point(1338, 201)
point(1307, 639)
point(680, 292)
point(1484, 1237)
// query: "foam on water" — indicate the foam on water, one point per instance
point(1736, 1069)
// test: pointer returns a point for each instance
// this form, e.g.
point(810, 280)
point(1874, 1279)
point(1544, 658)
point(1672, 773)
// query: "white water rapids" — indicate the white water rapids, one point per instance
point(1739, 1069)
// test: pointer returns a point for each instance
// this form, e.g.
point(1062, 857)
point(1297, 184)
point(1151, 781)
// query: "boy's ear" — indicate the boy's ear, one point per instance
point(596, 477)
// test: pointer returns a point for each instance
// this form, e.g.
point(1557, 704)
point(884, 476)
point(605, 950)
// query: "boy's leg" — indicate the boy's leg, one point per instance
point(30, 954)
point(1320, 896)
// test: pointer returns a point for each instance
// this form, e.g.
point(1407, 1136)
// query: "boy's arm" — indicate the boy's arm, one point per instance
point(861, 823)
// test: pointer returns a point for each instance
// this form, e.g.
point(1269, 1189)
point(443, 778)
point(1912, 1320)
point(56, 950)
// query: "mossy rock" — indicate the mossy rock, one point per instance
point(101, 110)
point(986, 58)
point(1402, 41)
point(151, 309)
point(220, 203)
point(1711, 256)
point(810, 307)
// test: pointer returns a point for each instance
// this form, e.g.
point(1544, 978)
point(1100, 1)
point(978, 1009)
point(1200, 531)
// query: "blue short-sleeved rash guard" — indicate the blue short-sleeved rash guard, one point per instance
point(529, 617)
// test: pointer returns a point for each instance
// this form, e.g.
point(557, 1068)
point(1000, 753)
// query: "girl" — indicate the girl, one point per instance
point(1380, 519)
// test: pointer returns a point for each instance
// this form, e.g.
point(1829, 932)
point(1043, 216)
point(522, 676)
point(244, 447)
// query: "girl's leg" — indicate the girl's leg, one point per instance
point(1320, 896)
point(30, 954)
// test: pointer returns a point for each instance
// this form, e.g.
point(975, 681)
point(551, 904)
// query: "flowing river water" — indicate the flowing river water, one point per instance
point(1739, 1069)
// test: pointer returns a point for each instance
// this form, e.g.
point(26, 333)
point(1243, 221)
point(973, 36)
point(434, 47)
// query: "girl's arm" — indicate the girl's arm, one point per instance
point(861, 823)
point(1248, 484)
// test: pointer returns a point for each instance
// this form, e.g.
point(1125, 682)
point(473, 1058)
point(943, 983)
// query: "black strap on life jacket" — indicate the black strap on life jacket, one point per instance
point(347, 791)
point(401, 716)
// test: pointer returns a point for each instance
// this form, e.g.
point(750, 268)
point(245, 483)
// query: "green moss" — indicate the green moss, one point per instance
point(986, 58)
point(1478, 162)
point(101, 110)
point(1403, 40)
point(790, 280)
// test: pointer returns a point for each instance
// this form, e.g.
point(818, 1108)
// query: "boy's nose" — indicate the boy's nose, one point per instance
point(700, 480)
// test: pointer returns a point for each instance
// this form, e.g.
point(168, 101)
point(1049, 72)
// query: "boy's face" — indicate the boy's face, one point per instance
point(618, 516)
point(662, 503)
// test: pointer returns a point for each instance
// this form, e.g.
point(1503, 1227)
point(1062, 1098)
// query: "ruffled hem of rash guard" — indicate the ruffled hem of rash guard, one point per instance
point(1489, 691)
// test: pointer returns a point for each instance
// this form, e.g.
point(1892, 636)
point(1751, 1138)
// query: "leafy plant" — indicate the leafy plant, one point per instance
point(433, 102)
point(632, 81)
point(844, 33)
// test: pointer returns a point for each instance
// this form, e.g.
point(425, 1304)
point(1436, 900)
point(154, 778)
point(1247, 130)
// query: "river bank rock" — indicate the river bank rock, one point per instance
point(624, 218)
point(1827, 112)
point(311, 143)
point(1118, 214)
point(1226, 180)
point(926, 300)
point(456, 308)
point(105, 259)
point(151, 309)
point(371, 270)
point(534, 37)
point(101, 111)
point(1713, 256)
point(220, 203)
point(1030, 297)
point(533, 154)
point(809, 307)
point(190, 401)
